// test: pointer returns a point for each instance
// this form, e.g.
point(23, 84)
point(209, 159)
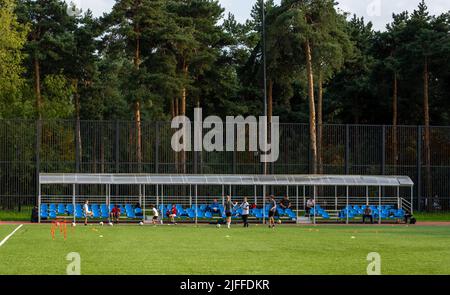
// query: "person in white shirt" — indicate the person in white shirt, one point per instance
point(86, 211)
point(245, 211)
point(155, 215)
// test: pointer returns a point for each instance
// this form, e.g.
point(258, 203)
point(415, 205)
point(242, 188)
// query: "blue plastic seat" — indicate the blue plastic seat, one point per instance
point(61, 209)
point(208, 215)
point(44, 214)
point(52, 215)
point(70, 209)
point(52, 207)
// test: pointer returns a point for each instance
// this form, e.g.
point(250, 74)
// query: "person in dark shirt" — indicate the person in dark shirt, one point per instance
point(272, 212)
point(228, 210)
point(368, 214)
point(35, 214)
point(285, 203)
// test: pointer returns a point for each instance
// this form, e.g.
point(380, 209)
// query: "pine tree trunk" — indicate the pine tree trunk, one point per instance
point(312, 110)
point(395, 122)
point(137, 104)
point(137, 118)
point(426, 110)
point(183, 113)
point(320, 123)
point(37, 87)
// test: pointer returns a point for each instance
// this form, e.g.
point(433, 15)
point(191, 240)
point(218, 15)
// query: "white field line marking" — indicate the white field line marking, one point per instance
point(10, 235)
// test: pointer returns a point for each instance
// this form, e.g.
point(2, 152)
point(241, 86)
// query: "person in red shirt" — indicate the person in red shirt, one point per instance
point(173, 213)
point(115, 214)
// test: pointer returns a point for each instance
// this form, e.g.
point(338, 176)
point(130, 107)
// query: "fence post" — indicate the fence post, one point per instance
point(383, 152)
point(419, 167)
point(38, 156)
point(347, 149)
point(77, 147)
point(157, 139)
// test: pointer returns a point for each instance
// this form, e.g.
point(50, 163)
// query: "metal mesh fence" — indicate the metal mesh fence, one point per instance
point(27, 147)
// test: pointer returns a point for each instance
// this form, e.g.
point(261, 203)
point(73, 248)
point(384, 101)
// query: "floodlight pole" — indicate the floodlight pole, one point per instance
point(263, 24)
point(39, 202)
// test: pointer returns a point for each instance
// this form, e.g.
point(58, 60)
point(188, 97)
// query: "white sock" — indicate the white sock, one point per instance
point(228, 224)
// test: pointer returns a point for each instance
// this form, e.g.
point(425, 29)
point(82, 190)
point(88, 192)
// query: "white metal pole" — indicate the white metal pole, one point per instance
point(74, 203)
point(398, 197)
point(157, 197)
point(162, 202)
point(223, 195)
point(412, 200)
point(190, 195)
point(335, 198)
point(314, 195)
point(143, 203)
point(367, 196)
point(346, 194)
point(379, 204)
point(304, 197)
point(196, 201)
point(296, 197)
point(264, 204)
point(256, 198)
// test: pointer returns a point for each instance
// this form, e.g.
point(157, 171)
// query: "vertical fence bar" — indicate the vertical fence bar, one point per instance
point(38, 159)
point(379, 205)
point(347, 149)
point(419, 167)
point(157, 143)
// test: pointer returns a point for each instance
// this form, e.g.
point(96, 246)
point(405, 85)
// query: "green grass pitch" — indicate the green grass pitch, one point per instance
point(186, 249)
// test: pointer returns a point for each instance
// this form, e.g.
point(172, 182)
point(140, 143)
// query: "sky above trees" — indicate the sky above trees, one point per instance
point(377, 11)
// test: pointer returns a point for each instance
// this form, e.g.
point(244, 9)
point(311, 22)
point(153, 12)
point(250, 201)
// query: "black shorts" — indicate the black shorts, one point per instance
point(228, 214)
point(155, 217)
point(271, 214)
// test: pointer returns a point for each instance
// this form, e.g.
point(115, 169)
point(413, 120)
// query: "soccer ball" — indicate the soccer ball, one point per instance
point(279, 221)
point(110, 224)
point(218, 225)
point(101, 223)
point(141, 223)
point(74, 224)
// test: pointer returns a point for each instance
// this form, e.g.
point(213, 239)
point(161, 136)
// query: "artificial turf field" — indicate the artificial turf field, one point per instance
point(186, 249)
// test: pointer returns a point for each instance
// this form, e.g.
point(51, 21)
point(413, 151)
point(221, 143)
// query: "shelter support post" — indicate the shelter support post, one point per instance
point(412, 200)
point(143, 203)
point(314, 194)
point(367, 196)
point(335, 198)
point(379, 205)
point(296, 200)
point(196, 205)
point(73, 203)
point(346, 203)
point(264, 204)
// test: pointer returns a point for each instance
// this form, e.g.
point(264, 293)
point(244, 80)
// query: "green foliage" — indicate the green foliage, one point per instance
point(12, 39)
point(148, 51)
